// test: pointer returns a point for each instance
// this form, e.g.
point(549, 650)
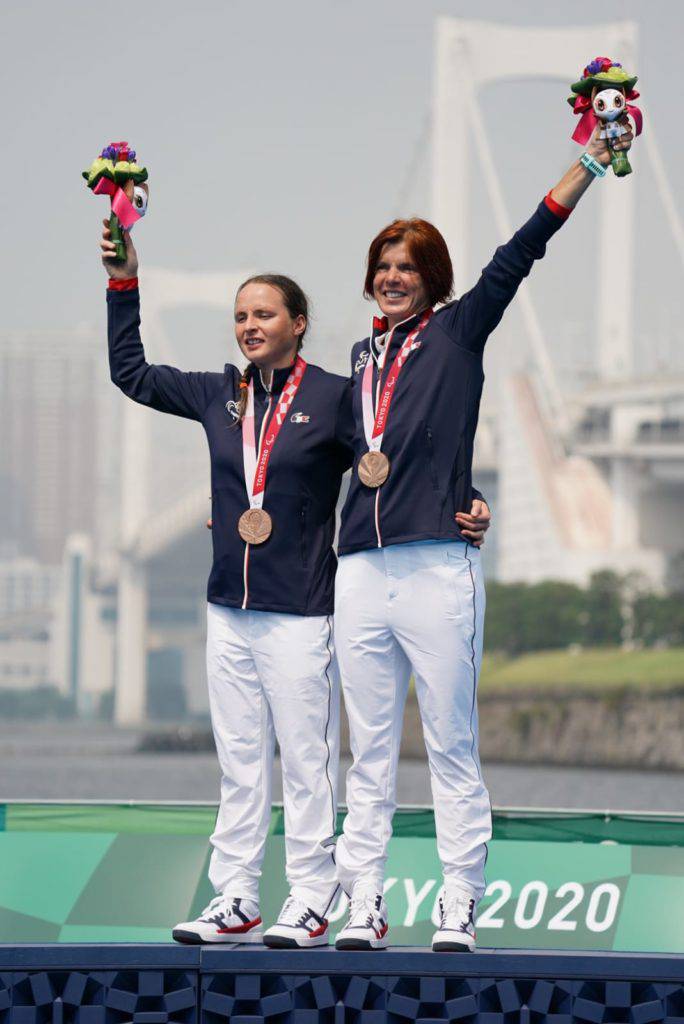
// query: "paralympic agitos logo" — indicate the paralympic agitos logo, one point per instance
point(361, 361)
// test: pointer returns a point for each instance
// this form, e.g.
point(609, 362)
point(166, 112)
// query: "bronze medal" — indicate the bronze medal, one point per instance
point(255, 525)
point(373, 469)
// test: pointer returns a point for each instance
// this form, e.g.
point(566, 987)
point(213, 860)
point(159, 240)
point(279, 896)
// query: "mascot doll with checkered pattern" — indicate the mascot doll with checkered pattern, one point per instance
point(603, 94)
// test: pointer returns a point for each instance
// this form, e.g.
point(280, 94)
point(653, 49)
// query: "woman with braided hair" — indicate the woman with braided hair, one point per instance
point(279, 442)
point(280, 439)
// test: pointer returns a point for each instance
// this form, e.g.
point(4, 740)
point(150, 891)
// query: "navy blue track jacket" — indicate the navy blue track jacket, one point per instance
point(433, 417)
point(294, 570)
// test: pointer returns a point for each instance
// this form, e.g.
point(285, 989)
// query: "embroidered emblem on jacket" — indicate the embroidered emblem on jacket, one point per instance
point(361, 361)
point(299, 417)
point(232, 408)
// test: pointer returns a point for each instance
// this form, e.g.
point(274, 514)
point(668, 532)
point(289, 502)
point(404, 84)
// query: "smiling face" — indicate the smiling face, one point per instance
point(398, 287)
point(608, 104)
point(266, 333)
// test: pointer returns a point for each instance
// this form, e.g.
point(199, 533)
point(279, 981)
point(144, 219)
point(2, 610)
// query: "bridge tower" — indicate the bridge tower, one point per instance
point(472, 54)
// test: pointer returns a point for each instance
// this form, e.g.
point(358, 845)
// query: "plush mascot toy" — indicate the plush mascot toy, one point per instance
point(603, 94)
point(116, 174)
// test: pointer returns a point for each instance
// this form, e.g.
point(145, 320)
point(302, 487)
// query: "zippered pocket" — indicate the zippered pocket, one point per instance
point(431, 457)
point(304, 532)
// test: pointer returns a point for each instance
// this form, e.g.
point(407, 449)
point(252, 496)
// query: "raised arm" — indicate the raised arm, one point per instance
point(578, 178)
point(161, 387)
point(472, 319)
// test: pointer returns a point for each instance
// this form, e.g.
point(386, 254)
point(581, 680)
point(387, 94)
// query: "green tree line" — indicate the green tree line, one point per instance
point(611, 610)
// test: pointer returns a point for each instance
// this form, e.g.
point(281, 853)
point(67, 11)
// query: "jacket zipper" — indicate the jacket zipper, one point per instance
point(245, 564)
point(377, 396)
point(377, 517)
point(377, 399)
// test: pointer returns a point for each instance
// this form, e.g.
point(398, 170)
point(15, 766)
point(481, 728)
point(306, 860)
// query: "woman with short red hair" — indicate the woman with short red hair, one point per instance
point(427, 250)
point(409, 592)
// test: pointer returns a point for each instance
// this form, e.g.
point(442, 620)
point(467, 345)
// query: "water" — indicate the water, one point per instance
point(55, 761)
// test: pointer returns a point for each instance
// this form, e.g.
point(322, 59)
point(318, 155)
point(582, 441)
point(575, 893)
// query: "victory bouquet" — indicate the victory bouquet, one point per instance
point(603, 94)
point(115, 173)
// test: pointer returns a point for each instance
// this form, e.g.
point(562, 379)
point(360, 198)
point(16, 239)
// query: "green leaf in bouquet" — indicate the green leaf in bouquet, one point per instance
point(99, 169)
point(122, 172)
point(138, 174)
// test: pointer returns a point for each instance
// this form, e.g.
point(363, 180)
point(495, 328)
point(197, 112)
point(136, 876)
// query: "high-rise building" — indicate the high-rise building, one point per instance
point(49, 430)
point(26, 586)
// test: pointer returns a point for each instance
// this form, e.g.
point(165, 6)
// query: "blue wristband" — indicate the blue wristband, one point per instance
point(597, 169)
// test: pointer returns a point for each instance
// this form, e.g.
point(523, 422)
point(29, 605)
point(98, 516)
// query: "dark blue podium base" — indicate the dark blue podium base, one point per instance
point(165, 984)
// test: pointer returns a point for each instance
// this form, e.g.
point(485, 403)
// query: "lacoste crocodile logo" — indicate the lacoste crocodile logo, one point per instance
point(299, 417)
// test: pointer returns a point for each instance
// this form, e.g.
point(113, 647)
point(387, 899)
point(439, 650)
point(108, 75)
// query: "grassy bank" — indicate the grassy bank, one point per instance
point(593, 669)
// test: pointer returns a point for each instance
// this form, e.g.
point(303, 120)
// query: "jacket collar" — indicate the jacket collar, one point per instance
point(277, 384)
point(380, 329)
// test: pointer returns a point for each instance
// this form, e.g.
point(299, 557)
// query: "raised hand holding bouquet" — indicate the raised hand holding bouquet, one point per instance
point(116, 174)
point(603, 95)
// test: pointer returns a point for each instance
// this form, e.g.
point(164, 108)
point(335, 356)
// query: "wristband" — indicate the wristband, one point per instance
point(126, 285)
point(597, 169)
point(560, 211)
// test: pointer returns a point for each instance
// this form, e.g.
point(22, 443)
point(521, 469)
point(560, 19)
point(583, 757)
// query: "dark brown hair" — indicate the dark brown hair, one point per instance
point(296, 304)
point(428, 251)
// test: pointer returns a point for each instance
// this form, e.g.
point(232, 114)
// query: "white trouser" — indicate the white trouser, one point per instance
point(273, 675)
point(401, 610)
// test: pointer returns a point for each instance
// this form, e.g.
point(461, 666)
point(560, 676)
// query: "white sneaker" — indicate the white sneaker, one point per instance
point(456, 932)
point(367, 924)
point(226, 919)
point(297, 926)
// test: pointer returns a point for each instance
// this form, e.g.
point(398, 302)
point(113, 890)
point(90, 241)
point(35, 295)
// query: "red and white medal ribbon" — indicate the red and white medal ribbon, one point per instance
point(375, 422)
point(256, 467)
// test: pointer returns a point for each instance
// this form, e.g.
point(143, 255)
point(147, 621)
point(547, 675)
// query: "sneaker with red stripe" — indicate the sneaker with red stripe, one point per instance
point(367, 924)
point(297, 927)
point(231, 919)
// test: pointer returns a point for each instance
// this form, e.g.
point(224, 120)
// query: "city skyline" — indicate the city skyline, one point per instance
point(208, 219)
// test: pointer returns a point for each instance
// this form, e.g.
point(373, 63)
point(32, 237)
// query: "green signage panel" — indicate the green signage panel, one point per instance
point(120, 873)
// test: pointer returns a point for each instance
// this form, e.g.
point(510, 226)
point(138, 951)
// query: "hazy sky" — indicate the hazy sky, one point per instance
point(280, 136)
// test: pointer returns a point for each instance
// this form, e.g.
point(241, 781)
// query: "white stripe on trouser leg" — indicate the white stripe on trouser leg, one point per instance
point(433, 606)
point(375, 675)
point(293, 661)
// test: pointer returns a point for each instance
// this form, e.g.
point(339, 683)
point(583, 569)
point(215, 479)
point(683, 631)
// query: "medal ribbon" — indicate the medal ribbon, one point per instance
point(255, 469)
point(374, 423)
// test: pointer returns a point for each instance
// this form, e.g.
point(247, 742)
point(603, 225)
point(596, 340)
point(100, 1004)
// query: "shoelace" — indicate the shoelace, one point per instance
point(217, 900)
point(460, 907)
point(365, 901)
point(294, 912)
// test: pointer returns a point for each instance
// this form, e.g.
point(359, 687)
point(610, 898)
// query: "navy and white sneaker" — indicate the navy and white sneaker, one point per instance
point(297, 927)
point(231, 919)
point(456, 932)
point(367, 925)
